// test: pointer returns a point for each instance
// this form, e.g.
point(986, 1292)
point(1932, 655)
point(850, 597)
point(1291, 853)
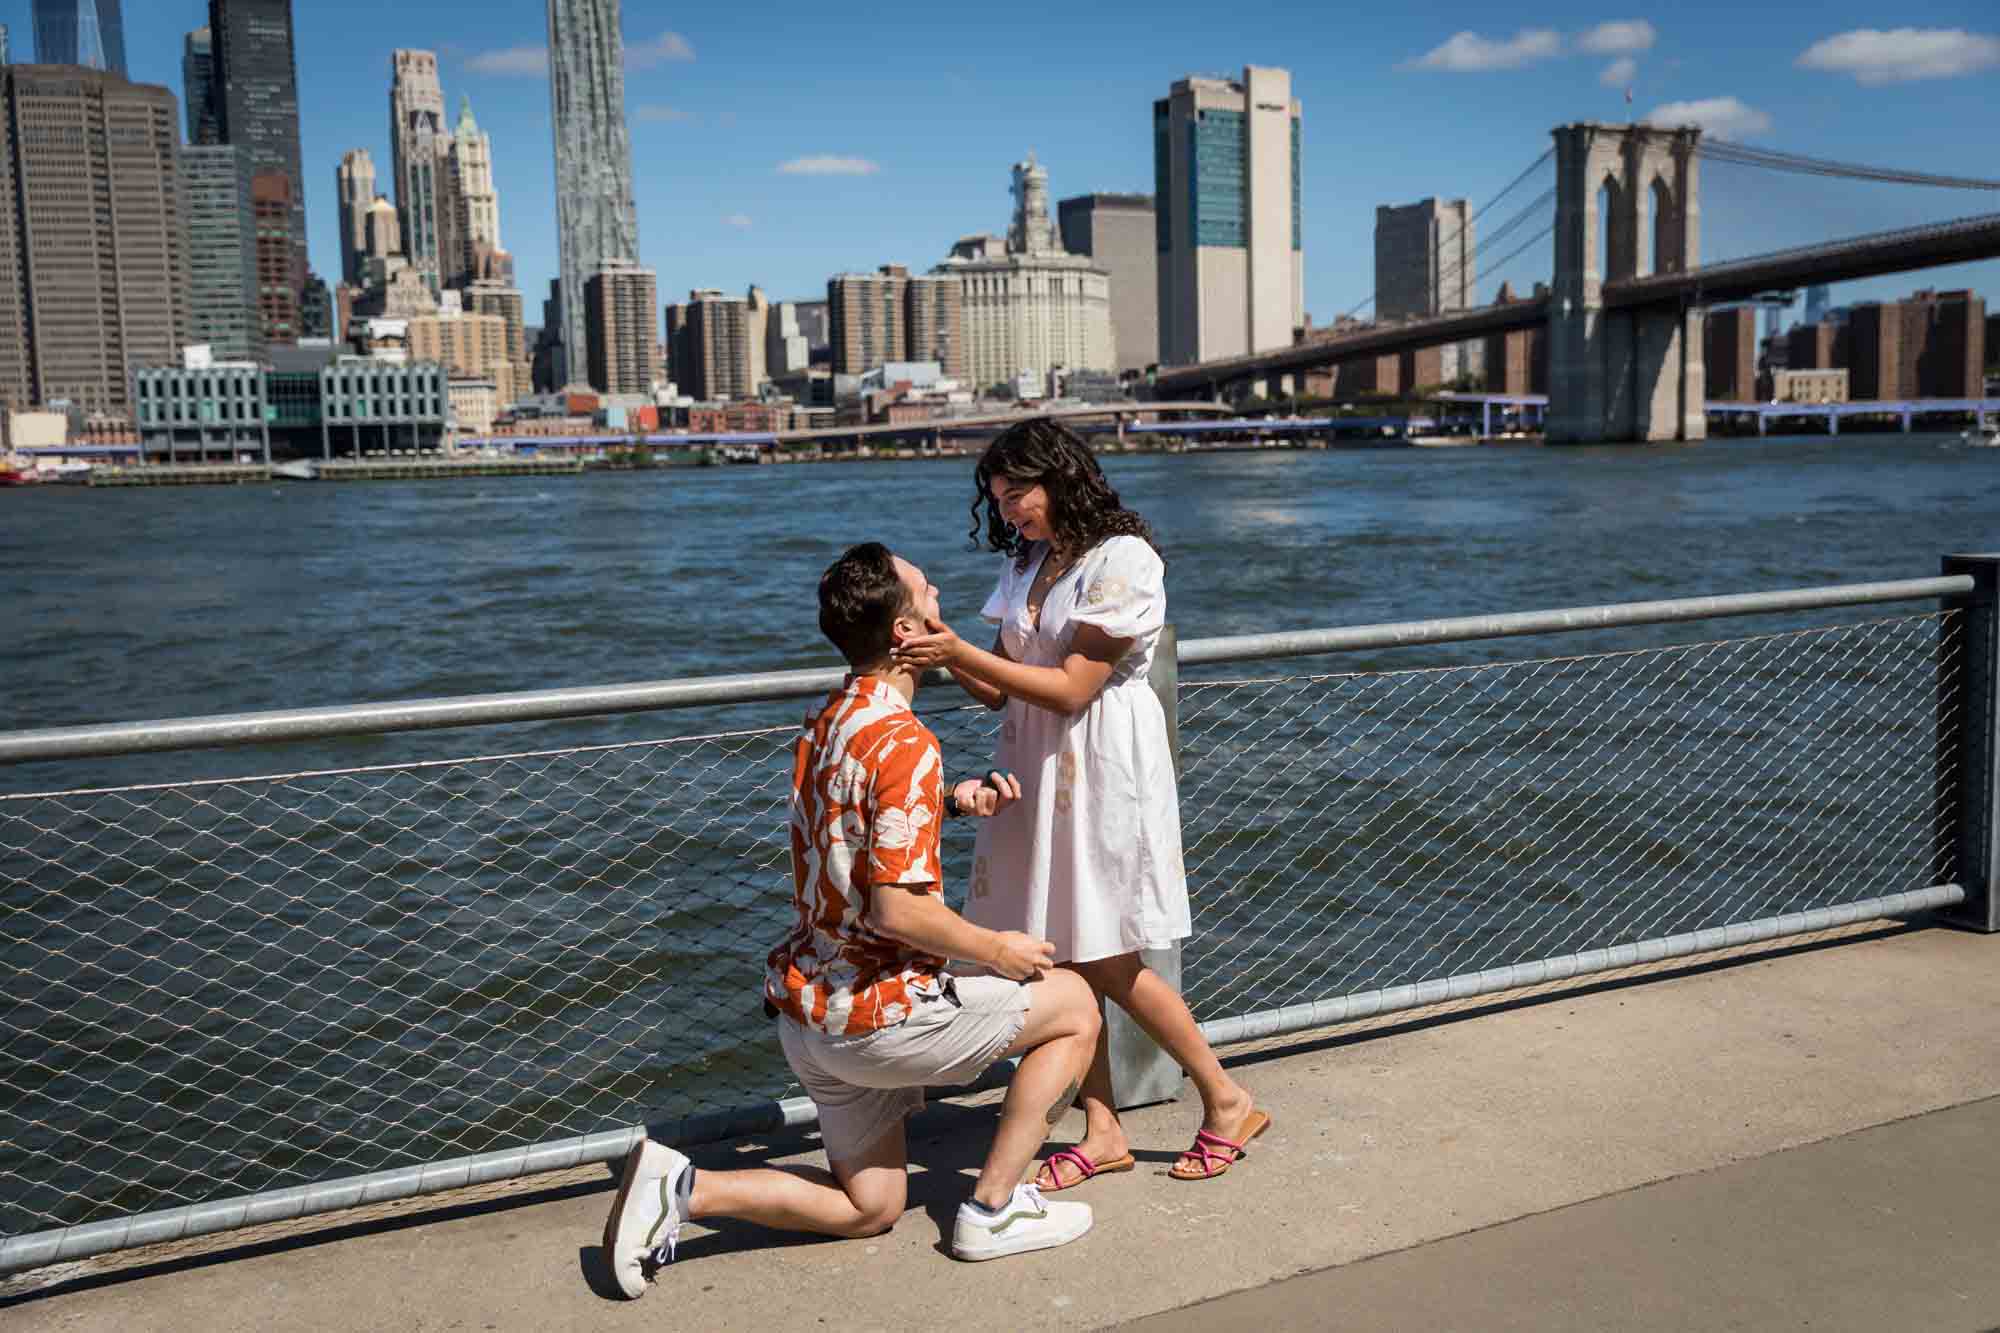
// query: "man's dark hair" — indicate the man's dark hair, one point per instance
point(860, 597)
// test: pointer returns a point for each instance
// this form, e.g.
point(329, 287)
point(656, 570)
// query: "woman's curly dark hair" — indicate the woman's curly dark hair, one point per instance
point(1083, 509)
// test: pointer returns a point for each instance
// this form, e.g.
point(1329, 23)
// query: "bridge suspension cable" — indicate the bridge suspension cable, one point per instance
point(1483, 246)
point(1509, 188)
point(1722, 150)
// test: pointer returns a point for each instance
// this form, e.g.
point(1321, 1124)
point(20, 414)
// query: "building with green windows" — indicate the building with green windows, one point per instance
point(203, 412)
point(1227, 216)
point(379, 407)
point(302, 406)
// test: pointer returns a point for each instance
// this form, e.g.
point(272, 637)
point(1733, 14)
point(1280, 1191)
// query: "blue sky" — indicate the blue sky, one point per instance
point(783, 142)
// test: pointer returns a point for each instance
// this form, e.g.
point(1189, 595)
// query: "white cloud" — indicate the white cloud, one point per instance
point(529, 60)
point(1468, 52)
point(1619, 37)
point(1902, 54)
point(666, 47)
point(825, 164)
point(1619, 72)
point(1725, 117)
point(737, 220)
point(666, 115)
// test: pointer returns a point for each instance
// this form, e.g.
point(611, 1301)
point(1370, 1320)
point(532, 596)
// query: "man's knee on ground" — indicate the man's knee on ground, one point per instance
point(877, 1204)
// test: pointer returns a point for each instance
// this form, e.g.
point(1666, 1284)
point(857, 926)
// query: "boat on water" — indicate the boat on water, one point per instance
point(1978, 437)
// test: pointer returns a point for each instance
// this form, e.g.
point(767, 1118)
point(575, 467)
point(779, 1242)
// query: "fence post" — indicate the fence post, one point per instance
point(1969, 760)
point(1142, 1073)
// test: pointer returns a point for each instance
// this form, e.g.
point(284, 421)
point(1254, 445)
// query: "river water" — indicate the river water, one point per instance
point(272, 980)
point(132, 604)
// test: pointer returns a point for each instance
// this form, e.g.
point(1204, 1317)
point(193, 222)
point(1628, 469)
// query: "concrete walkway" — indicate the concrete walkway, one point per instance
point(1885, 1228)
point(1746, 1142)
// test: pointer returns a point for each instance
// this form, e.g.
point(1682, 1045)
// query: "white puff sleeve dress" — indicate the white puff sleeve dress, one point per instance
point(1090, 857)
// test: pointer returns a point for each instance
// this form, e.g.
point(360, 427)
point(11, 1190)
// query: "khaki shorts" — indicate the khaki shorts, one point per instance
point(866, 1085)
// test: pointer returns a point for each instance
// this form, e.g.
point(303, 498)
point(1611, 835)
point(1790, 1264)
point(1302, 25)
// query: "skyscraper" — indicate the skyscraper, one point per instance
point(1116, 231)
point(1819, 299)
point(416, 129)
point(476, 204)
point(80, 32)
point(354, 183)
point(1424, 261)
point(198, 88)
point(596, 222)
point(1226, 187)
point(93, 258)
point(222, 252)
point(257, 99)
point(1425, 265)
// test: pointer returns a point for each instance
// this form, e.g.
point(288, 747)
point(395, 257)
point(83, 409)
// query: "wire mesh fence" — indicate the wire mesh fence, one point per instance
point(221, 988)
point(1350, 832)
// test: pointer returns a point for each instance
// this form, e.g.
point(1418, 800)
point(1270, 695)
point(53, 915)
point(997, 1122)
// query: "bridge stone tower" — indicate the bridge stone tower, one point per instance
point(1635, 373)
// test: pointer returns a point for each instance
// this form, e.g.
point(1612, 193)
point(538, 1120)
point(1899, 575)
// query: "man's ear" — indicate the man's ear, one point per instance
point(904, 628)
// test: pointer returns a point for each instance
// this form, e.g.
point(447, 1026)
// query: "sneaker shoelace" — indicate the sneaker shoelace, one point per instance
point(1032, 1193)
point(663, 1254)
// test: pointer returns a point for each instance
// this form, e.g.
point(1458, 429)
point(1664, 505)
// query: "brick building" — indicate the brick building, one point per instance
point(1817, 346)
point(867, 320)
point(618, 304)
point(1729, 354)
point(1932, 345)
point(1516, 362)
point(1948, 333)
point(277, 293)
point(710, 348)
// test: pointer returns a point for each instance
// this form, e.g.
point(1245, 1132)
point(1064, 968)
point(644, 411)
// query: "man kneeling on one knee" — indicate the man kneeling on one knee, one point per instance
point(868, 1011)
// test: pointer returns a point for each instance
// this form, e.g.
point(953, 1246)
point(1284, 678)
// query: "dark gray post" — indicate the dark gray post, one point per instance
point(1142, 1073)
point(1969, 748)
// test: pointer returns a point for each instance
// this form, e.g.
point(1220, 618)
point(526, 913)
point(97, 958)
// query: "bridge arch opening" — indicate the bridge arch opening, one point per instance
point(1617, 249)
point(1667, 257)
point(1607, 218)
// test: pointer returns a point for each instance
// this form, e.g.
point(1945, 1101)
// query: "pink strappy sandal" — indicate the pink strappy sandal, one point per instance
point(1085, 1169)
point(1216, 1154)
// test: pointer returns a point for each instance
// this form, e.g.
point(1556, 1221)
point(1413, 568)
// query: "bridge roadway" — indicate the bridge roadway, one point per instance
point(1962, 241)
point(1784, 1135)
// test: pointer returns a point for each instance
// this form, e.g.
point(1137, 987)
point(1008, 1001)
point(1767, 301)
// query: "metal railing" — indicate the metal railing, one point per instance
point(245, 1000)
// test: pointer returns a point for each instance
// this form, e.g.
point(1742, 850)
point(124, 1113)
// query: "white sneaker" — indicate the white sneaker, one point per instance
point(1025, 1222)
point(646, 1217)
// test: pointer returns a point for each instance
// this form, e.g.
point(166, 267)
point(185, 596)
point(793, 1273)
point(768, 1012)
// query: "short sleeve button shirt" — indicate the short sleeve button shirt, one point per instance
point(867, 791)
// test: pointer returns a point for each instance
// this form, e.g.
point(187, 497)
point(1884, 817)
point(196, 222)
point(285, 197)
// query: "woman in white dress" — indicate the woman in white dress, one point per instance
point(1090, 857)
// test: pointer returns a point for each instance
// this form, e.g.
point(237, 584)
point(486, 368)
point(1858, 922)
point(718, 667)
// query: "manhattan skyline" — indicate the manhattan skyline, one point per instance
point(782, 152)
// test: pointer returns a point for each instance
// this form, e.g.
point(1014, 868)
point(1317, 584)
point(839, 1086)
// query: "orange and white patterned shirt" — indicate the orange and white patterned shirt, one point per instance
point(867, 796)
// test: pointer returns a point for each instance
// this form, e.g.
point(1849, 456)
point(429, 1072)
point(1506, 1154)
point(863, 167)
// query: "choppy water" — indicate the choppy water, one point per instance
point(130, 604)
point(218, 989)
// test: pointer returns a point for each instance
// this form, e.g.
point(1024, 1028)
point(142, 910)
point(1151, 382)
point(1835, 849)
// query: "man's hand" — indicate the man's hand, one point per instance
point(1022, 957)
point(989, 797)
point(938, 647)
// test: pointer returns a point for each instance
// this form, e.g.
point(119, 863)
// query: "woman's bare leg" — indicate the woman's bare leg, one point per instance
point(1158, 1009)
